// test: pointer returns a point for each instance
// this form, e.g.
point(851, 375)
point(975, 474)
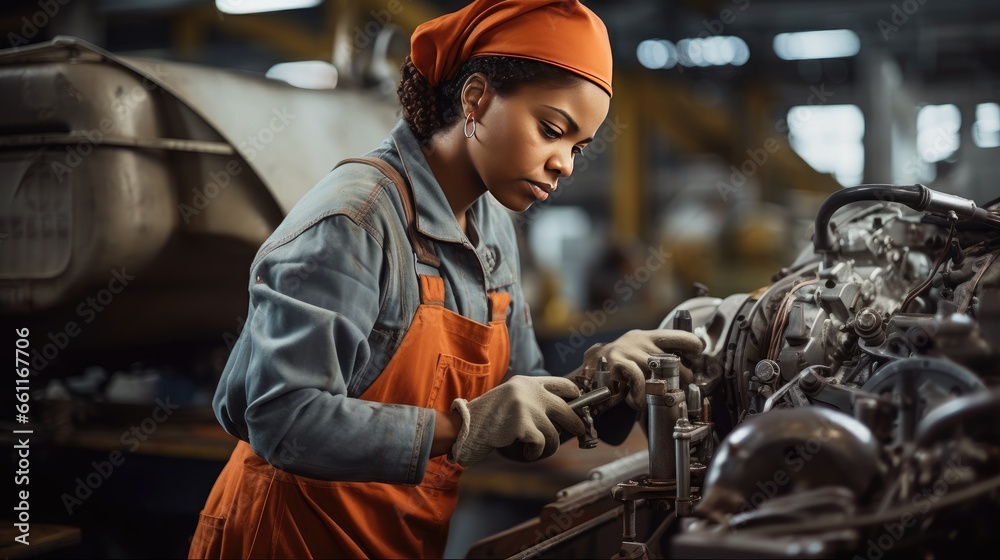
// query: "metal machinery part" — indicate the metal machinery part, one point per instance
point(849, 409)
point(153, 182)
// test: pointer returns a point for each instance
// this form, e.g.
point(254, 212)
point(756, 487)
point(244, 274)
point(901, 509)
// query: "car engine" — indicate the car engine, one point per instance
point(849, 409)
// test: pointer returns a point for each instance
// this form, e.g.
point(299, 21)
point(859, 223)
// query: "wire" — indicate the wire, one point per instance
point(930, 277)
point(994, 202)
point(975, 283)
point(759, 305)
point(781, 318)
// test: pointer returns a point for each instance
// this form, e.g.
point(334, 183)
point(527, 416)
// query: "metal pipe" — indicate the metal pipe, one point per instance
point(591, 398)
point(572, 532)
point(628, 521)
point(683, 441)
point(684, 434)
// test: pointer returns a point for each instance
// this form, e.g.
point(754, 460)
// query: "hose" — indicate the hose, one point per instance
point(918, 197)
point(823, 242)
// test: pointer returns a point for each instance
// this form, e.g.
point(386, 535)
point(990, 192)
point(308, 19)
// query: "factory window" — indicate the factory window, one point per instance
point(829, 138)
point(986, 129)
point(937, 132)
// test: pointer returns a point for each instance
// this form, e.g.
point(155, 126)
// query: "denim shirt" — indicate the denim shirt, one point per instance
point(332, 293)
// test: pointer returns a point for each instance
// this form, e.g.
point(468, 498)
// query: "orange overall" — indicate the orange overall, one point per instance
point(257, 511)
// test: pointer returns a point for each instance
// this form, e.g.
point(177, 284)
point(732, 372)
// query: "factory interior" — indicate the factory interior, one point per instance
point(149, 148)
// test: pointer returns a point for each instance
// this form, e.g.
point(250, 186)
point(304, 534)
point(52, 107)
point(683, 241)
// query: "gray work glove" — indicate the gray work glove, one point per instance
point(521, 410)
point(627, 357)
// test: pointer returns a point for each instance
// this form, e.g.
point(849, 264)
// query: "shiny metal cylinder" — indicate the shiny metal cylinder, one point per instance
point(665, 367)
point(944, 202)
point(664, 411)
point(664, 400)
point(694, 403)
point(683, 450)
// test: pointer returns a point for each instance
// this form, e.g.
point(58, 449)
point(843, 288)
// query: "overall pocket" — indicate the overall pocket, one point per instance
point(207, 541)
point(453, 378)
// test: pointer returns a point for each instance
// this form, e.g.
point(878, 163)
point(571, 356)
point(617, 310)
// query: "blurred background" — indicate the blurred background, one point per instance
point(148, 147)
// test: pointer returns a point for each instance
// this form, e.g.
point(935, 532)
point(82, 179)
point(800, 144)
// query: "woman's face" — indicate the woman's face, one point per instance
point(526, 140)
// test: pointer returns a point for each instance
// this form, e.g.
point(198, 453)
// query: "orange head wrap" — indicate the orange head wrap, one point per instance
point(562, 33)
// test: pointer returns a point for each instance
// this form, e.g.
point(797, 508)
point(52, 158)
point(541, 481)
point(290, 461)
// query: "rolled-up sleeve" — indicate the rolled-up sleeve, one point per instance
point(313, 303)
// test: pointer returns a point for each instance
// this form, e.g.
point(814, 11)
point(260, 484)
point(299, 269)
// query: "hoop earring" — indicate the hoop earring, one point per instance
point(465, 130)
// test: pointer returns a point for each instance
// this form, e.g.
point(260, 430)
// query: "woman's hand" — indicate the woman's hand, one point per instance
point(522, 410)
point(627, 357)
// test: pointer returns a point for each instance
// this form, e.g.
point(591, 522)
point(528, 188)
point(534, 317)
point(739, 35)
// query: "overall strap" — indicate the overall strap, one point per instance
point(421, 245)
point(431, 290)
point(499, 304)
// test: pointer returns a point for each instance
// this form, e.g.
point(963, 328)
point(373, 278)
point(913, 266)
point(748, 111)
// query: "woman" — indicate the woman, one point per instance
point(388, 343)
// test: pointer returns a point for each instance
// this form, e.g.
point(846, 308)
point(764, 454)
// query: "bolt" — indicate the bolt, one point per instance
point(867, 319)
point(810, 382)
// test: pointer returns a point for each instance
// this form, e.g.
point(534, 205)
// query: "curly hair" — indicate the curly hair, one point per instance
point(429, 109)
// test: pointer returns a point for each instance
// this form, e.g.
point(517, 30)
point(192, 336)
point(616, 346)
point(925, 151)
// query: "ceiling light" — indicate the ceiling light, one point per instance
point(710, 51)
point(655, 54)
point(257, 6)
point(833, 43)
point(306, 74)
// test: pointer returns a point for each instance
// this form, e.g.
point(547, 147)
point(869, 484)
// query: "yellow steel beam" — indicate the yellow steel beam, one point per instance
point(405, 14)
point(785, 168)
point(629, 163)
point(692, 125)
point(686, 120)
point(187, 33)
point(294, 39)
